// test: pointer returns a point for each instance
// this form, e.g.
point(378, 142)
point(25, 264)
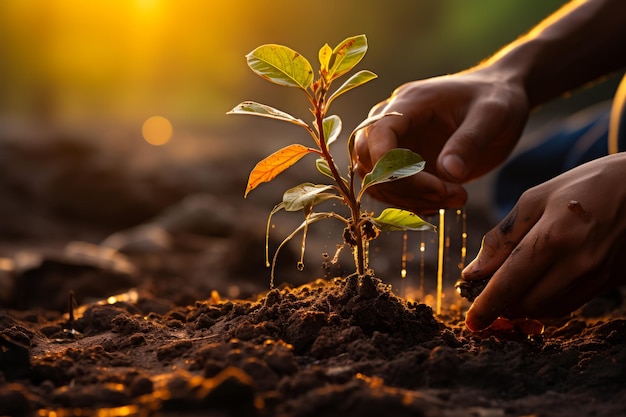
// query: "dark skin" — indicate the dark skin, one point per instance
point(564, 241)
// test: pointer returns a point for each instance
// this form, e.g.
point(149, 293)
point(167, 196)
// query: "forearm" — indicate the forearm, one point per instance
point(581, 42)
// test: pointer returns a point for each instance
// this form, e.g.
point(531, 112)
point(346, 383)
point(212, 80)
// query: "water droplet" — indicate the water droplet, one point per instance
point(300, 266)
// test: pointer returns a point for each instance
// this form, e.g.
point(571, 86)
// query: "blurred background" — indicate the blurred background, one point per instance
point(113, 110)
point(114, 63)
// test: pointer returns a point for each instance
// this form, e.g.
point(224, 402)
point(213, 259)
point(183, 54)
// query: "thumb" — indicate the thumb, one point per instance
point(461, 153)
point(483, 140)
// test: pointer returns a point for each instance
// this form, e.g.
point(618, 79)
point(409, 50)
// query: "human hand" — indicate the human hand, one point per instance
point(463, 125)
point(563, 243)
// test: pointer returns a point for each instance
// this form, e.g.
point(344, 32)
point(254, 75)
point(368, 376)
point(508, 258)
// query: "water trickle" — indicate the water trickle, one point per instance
point(463, 238)
point(422, 264)
point(442, 233)
point(267, 246)
point(300, 265)
point(405, 238)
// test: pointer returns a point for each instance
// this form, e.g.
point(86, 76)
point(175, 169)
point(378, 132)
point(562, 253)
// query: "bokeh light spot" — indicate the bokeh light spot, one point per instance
point(157, 130)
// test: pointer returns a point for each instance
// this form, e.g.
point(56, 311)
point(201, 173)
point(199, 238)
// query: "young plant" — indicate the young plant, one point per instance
point(284, 66)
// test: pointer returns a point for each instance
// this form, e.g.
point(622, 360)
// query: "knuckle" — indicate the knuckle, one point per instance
point(492, 242)
point(470, 138)
point(530, 197)
point(378, 108)
point(492, 104)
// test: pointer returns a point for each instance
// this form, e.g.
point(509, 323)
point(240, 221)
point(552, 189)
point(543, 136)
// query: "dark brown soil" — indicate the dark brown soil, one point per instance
point(329, 348)
point(172, 343)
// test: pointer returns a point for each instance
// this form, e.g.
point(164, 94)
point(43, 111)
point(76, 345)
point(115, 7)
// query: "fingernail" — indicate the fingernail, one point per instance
point(470, 269)
point(475, 323)
point(475, 326)
point(454, 166)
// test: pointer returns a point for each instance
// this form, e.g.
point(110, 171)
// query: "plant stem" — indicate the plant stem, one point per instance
point(347, 192)
point(348, 197)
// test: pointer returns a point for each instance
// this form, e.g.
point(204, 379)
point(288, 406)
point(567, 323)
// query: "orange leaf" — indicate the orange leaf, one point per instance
point(267, 169)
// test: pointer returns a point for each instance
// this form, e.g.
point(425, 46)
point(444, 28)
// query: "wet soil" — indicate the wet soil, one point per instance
point(159, 328)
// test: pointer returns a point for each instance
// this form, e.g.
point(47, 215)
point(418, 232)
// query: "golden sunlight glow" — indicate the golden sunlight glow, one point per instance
point(157, 130)
point(147, 5)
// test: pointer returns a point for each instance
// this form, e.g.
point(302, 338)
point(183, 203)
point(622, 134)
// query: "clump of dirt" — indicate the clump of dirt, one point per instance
point(329, 348)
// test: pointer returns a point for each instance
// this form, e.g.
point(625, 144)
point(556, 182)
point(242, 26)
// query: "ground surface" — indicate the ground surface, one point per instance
point(184, 333)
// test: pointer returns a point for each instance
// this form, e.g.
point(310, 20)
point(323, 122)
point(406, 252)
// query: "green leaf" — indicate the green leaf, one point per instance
point(346, 55)
point(332, 128)
point(258, 109)
point(307, 195)
point(395, 164)
point(392, 219)
point(322, 166)
point(365, 123)
point(354, 81)
point(281, 65)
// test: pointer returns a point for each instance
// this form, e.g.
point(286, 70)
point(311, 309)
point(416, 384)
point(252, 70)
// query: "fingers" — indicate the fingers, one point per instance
point(510, 253)
point(485, 137)
point(423, 194)
point(559, 290)
point(535, 258)
point(522, 268)
point(376, 140)
point(577, 273)
point(499, 242)
point(562, 244)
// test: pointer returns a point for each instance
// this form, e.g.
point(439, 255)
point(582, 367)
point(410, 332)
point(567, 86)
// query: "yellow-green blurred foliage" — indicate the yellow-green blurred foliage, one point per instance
point(76, 61)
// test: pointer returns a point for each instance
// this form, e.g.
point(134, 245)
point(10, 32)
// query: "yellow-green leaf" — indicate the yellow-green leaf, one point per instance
point(393, 165)
point(392, 219)
point(354, 81)
point(281, 65)
point(307, 195)
point(346, 55)
point(258, 109)
point(322, 166)
point(332, 128)
point(267, 169)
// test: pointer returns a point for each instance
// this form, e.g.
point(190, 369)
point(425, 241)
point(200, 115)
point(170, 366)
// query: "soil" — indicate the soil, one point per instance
point(158, 328)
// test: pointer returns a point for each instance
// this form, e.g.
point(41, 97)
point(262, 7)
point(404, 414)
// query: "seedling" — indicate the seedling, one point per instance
point(284, 66)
